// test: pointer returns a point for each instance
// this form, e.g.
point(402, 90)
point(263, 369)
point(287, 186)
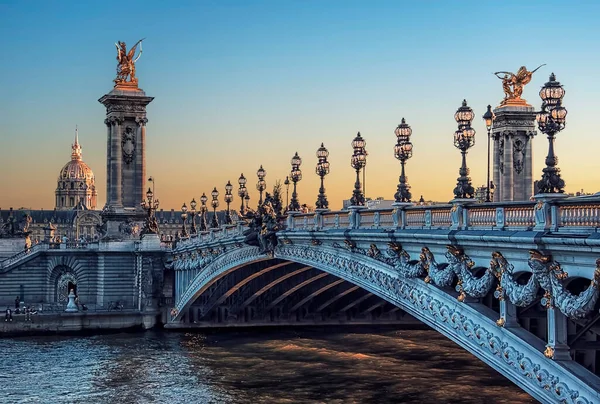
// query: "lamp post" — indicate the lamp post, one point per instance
point(358, 161)
point(488, 117)
point(287, 191)
point(184, 232)
point(215, 204)
point(403, 151)
point(322, 170)
point(193, 217)
point(203, 210)
point(242, 192)
point(551, 120)
point(149, 205)
point(261, 185)
point(464, 139)
point(295, 175)
point(228, 198)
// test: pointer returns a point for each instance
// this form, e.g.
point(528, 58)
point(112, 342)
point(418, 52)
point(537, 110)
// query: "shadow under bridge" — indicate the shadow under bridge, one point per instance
point(277, 291)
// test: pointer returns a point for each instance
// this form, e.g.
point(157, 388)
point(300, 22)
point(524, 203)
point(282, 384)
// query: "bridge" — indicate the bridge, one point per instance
point(516, 283)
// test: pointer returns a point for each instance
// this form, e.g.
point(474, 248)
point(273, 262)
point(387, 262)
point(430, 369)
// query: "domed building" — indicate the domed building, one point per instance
point(76, 186)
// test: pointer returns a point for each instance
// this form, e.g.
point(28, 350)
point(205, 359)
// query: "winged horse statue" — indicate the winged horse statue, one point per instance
point(126, 66)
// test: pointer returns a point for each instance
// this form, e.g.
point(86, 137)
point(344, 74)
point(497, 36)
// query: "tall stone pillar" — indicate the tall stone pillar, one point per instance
point(514, 129)
point(126, 162)
point(496, 166)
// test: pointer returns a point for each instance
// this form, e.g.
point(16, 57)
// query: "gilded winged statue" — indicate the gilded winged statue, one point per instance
point(126, 66)
point(513, 83)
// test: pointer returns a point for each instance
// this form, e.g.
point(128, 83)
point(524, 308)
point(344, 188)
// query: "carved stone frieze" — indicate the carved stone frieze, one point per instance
point(125, 108)
point(513, 123)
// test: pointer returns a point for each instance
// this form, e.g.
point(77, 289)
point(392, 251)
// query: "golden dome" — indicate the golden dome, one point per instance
point(76, 169)
point(76, 184)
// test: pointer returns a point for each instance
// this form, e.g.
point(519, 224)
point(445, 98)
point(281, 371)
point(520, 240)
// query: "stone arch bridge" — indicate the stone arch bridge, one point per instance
point(516, 285)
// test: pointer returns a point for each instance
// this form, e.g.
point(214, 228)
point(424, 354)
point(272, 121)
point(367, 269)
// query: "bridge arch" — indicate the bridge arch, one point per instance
point(471, 325)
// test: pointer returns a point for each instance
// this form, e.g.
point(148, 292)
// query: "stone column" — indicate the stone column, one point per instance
point(508, 314)
point(514, 123)
point(108, 124)
point(528, 167)
point(557, 347)
point(496, 166)
point(118, 184)
point(508, 183)
point(140, 160)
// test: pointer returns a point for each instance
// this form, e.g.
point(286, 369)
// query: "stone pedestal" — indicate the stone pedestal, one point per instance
point(150, 242)
point(512, 135)
point(458, 214)
point(125, 159)
point(71, 306)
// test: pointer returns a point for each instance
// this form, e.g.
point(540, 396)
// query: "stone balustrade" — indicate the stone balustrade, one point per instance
point(568, 214)
point(578, 215)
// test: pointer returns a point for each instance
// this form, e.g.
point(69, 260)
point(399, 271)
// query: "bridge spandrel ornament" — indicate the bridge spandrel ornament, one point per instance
point(527, 365)
point(550, 276)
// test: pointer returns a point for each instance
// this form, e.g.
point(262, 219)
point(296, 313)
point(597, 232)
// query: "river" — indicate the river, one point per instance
point(324, 365)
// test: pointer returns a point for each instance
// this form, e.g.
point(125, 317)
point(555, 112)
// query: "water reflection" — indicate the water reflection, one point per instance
point(290, 366)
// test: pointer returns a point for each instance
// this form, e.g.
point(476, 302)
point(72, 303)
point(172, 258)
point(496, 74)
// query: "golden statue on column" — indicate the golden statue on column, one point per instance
point(513, 83)
point(126, 65)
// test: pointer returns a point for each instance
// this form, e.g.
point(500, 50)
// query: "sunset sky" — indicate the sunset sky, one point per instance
point(244, 83)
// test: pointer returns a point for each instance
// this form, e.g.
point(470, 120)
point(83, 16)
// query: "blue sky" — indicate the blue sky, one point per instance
point(239, 84)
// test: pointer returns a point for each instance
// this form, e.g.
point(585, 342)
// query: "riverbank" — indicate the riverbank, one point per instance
point(75, 323)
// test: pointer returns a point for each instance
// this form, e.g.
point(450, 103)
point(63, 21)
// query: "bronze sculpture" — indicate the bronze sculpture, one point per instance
point(126, 65)
point(513, 83)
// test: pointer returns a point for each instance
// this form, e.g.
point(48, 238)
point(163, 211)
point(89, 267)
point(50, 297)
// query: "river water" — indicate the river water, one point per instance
point(325, 365)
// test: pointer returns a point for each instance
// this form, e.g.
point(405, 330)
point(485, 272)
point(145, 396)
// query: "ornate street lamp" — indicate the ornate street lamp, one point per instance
point(464, 139)
point(242, 192)
point(551, 120)
point(403, 151)
point(193, 216)
point(295, 175)
point(228, 199)
point(488, 117)
point(184, 232)
point(203, 210)
point(261, 185)
point(150, 205)
point(358, 161)
point(287, 191)
point(215, 204)
point(322, 170)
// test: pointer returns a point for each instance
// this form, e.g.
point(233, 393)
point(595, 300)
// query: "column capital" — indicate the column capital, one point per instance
point(141, 121)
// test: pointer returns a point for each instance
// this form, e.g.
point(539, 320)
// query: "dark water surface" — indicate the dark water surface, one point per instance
point(327, 365)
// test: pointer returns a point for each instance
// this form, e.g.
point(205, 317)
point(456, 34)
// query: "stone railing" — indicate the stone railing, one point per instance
point(45, 247)
point(545, 214)
point(221, 233)
point(548, 213)
point(21, 255)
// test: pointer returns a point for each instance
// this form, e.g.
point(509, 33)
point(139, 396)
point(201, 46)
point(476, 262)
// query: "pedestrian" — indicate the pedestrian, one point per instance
point(17, 302)
point(8, 315)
